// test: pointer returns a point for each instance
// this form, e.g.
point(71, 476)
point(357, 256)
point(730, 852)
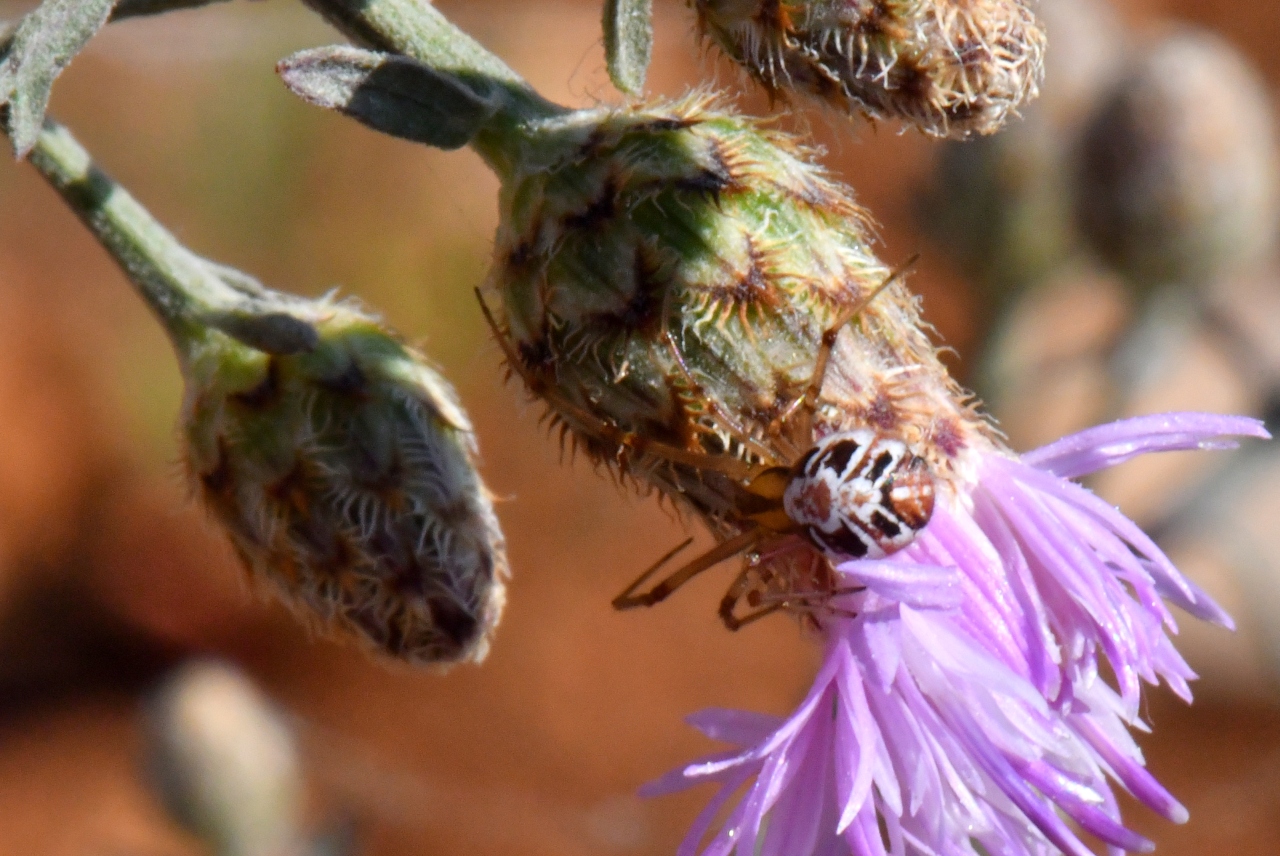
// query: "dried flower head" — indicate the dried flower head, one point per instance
point(699, 304)
point(962, 708)
point(345, 474)
point(1178, 178)
point(949, 67)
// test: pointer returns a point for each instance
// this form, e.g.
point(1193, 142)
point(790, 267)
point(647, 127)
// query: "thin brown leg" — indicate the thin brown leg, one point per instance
point(729, 604)
point(717, 554)
point(735, 622)
point(626, 440)
point(807, 403)
point(810, 600)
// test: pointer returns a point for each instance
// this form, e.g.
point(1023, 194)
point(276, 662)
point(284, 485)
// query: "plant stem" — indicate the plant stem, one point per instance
point(416, 29)
point(178, 285)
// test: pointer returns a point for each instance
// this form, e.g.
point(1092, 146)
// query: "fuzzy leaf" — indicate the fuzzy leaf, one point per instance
point(44, 44)
point(628, 42)
point(260, 320)
point(392, 94)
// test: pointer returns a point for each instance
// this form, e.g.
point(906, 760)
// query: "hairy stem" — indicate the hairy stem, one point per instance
point(416, 29)
point(178, 285)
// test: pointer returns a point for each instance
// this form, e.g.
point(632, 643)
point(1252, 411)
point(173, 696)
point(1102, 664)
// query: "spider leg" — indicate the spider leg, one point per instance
point(737, 622)
point(807, 403)
point(723, 419)
point(629, 599)
point(728, 605)
point(626, 440)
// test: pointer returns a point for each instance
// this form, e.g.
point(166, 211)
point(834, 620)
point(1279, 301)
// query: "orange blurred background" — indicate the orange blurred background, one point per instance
point(109, 573)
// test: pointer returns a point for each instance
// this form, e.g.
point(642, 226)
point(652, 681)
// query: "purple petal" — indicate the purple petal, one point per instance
point(882, 644)
point(783, 734)
point(1131, 773)
point(693, 839)
point(1083, 811)
point(679, 779)
point(1107, 445)
point(901, 581)
point(1189, 597)
point(805, 812)
point(855, 742)
point(1016, 789)
point(741, 727)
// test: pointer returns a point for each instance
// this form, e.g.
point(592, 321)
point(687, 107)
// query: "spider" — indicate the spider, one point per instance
point(850, 495)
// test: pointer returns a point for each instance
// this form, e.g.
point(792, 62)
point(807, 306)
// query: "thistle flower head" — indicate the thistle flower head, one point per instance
point(964, 709)
point(666, 278)
point(948, 67)
point(698, 304)
point(345, 474)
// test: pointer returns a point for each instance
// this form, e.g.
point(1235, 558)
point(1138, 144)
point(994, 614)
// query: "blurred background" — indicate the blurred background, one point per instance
point(1110, 254)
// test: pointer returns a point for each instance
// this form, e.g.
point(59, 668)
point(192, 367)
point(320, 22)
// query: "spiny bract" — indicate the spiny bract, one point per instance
point(949, 67)
point(670, 269)
point(346, 477)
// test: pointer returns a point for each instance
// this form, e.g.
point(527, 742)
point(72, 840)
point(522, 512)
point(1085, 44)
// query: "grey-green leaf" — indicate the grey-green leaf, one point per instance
point(628, 42)
point(269, 331)
point(393, 94)
point(44, 44)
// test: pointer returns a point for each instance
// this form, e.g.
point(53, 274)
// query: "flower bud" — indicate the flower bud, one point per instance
point(948, 67)
point(666, 275)
point(345, 474)
point(1178, 174)
point(224, 762)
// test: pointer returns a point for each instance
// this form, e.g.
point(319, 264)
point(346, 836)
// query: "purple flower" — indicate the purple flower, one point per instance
point(963, 709)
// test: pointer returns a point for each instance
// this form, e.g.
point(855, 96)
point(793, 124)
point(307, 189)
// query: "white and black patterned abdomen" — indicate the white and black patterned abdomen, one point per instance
point(860, 494)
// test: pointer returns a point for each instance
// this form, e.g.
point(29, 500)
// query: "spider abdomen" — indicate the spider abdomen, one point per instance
point(859, 494)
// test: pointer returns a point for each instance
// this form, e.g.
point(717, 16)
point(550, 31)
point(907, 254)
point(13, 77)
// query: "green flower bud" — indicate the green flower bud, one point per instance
point(224, 762)
point(667, 274)
point(345, 474)
point(341, 464)
point(948, 67)
point(1178, 172)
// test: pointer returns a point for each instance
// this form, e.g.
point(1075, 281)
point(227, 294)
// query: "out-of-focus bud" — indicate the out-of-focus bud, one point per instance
point(345, 474)
point(224, 762)
point(670, 272)
point(1178, 175)
point(949, 67)
point(1003, 205)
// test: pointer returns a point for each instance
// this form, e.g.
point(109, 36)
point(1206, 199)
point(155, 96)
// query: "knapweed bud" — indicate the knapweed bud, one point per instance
point(666, 278)
point(949, 67)
point(1178, 172)
point(224, 762)
point(341, 464)
point(346, 477)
